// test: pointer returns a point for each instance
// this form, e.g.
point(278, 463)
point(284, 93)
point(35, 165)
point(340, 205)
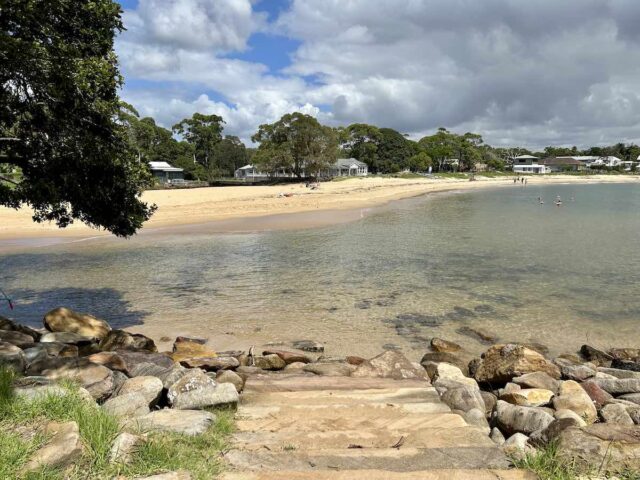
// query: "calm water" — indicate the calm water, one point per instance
point(494, 259)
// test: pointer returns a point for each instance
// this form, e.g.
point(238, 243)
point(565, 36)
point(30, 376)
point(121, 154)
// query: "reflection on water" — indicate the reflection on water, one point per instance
point(492, 259)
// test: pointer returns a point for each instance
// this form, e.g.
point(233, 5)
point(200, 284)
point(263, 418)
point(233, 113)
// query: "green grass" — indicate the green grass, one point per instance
point(162, 452)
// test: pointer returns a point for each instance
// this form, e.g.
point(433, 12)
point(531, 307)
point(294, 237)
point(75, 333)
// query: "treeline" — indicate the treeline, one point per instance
point(299, 145)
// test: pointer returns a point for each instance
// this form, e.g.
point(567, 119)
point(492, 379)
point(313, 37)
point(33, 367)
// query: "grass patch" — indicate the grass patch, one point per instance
point(20, 418)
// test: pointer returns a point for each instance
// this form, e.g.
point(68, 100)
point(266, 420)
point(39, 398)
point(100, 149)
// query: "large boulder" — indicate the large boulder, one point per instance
point(11, 326)
point(97, 379)
point(70, 338)
point(127, 405)
point(269, 362)
point(134, 358)
point(618, 372)
point(598, 396)
point(578, 373)
point(572, 396)
point(463, 398)
point(599, 357)
point(451, 358)
point(615, 413)
point(537, 380)
point(619, 386)
point(501, 363)
point(185, 422)
point(196, 390)
point(110, 360)
point(390, 364)
point(18, 339)
point(511, 419)
point(229, 376)
point(150, 388)
point(633, 366)
point(67, 320)
point(602, 446)
point(12, 357)
point(121, 340)
point(63, 447)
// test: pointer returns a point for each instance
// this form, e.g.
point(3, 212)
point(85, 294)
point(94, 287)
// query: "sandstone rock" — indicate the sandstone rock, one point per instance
point(183, 338)
point(196, 390)
point(127, 405)
point(390, 364)
point(596, 356)
point(490, 401)
point(501, 363)
point(210, 364)
point(443, 370)
point(191, 350)
point(565, 413)
point(149, 387)
point(553, 430)
point(186, 422)
point(631, 397)
point(618, 372)
point(97, 379)
point(117, 340)
point(496, 436)
point(509, 388)
point(516, 446)
point(16, 338)
point(228, 376)
point(67, 320)
point(63, 448)
point(308, 346)
point(288, 357)
point(329, 369)
point(598, 396)
point(11, 326)
point(32, 388)
point(269, 362)
point(42, 351)
point(134, 358)
point(295, 366)
point(68, 337)
point(123, 447)
point(478, 334)
point(633, 366)
point(247, 370)
point(579, 373)
point(571, 396)
point(453, 359)
point(615, 413)
point(512, 418)
point(477, 418)
point(619, 386)
point(12, 357)
point(118, 380)
point(625, 353)
point(440, 345)
point(529, 397)
point(110, 360)
point(602, 446)
point(463, 398)
point(537, 380)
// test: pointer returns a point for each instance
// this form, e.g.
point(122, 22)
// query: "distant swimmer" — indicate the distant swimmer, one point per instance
point(558, 203)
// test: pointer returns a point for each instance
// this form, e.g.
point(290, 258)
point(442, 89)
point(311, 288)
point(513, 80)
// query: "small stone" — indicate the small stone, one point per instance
point(615, 413)
point(123, 448)
point(228, 376)
point(553, 430)
point(633, 366)
point(180, 339)
point(579, 373)
point(529, 397)
point(67, 320)
point(490, 401)
point(186, 422)
point(149, 387)
point(308, 346)
point(496, 436)
point(572, 396)
point(97, 379)
point(11, 326)
point(517, 446)
point(440, 345)
point(249, 370)
point(631, 397)
point(269, 362)
point(477, 418)
point(127, 405)
point(63, 448)
point(353, 360)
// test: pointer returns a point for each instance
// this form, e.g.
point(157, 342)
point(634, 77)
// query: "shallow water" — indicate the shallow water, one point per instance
point(494, 259)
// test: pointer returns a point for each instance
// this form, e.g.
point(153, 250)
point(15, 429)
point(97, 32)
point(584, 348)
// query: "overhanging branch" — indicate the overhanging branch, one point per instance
point(5, 179)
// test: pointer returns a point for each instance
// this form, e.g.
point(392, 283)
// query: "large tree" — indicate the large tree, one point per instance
point(204, 132)
point(59, 116)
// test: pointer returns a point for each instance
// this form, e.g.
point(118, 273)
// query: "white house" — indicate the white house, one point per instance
point(165, 173)
point(597, 161)
point(529, 164)
point(348, 167)
point(249, 172)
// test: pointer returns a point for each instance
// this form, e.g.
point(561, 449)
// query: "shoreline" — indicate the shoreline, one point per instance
point(263, 208)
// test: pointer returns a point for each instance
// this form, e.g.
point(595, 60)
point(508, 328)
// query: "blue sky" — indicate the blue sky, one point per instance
point(519, 73)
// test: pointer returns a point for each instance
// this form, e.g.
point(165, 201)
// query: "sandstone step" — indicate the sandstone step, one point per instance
point(326, 397)
point(452, 474)
point(389, 459)
point(298, 382)
point(465, 436)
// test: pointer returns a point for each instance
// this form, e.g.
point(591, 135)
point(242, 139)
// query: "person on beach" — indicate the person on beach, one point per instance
point(515, 180)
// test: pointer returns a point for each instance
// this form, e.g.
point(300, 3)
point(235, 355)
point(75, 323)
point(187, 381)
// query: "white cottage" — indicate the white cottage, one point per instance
point(348, 167)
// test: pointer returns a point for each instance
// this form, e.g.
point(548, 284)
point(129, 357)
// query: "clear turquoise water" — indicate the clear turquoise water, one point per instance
point(494, 259)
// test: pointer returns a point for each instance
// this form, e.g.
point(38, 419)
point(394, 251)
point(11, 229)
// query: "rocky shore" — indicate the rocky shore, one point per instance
point(586, 403)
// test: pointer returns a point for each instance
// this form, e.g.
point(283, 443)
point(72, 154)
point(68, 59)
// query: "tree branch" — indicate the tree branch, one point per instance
point(5, 179)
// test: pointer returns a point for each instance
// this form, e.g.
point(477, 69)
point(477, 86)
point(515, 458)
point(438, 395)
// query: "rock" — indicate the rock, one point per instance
point(149, 387)
point(191, 350)
point(169, 376)
point(516, 446)
point(598, 396)
point(631, 397)
point(390, 364)
point(626, 365)
point(537, 380)
point(181, 339)
point(295, 367)
point(179, 475)
point(619, 386)
point(442, 370)
point(133, 358)
point(512, 418)
point(67, 320)
point(618, 372)
point(146, 370)
point(228, 376)
point(353, 360)
point(35, 354)
point(12, 357)
point(579, 373)
point(68, 337)
point(97, 379)
point(572, 396)
point(623, 353)
point(330, 369)
point(529, 397)
point(509, 388)
point(111, 360)
point(123, 447)
point(16, 338)
point(120, 340)
point(438, 357)
point(249, 370)
point(308, 346)
point(196, 390)
point(496, 436)
point(481, 335)
point(565, 413)
point(602, 446)
point(463, 399)
point(501, 363)
point(288, 357)
point(63, 448)
point(118, 380)
point(553, 431)
point(211, 364)
point(11, 326)
point(615, 413)
point(490, 401)
point(477, 418)
point(42, 351)
point(440, 345)
point(269, 362)
point(186, 422)
point(596, 356)
point(127, 405)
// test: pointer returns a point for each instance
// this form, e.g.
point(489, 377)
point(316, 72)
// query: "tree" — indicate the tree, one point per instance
point(297, 143)
point(419, 162)
point(360, 141)
point(204, 132)
point(440, 147)
point(394, 151)
point(59, 117)
point(231, 154)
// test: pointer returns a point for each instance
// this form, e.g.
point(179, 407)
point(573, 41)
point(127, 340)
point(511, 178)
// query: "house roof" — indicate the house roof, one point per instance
point(246, 167)
point(560, 161)
point(592, 158)
point(525, 157)
point(164, 167)
point(348, 162)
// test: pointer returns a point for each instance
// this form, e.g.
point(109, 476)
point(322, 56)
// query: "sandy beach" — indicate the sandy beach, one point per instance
point(178, 208)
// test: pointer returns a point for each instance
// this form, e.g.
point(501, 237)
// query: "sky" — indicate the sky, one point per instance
point(521, 73)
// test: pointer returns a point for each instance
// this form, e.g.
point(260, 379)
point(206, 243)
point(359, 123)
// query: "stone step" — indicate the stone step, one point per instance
point(452, 474)
point(389, 459)
point(331, 420)
point(327, 397)
point(298, 382)
point(465, 436)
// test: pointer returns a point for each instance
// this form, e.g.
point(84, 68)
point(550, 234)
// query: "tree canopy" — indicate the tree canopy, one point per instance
point(59, 118)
